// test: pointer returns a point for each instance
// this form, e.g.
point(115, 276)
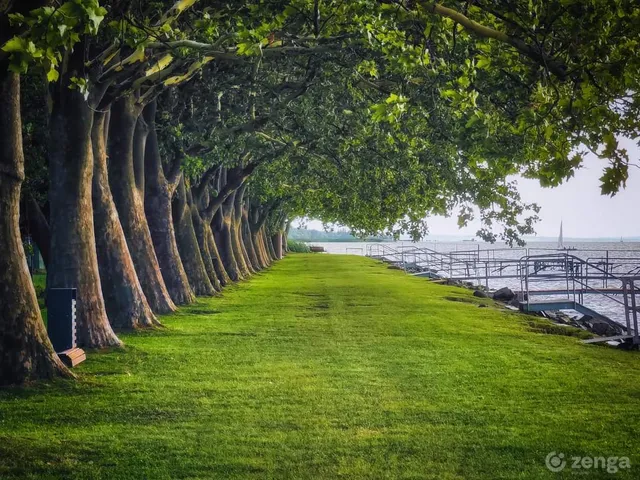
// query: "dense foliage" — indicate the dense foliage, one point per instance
point(407, 107)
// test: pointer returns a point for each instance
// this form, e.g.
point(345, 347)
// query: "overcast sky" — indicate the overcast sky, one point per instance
point(578, 203)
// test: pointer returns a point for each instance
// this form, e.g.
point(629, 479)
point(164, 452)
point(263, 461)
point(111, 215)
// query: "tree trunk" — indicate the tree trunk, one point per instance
point(266, 243)
point(218, 264)
point(256, 221)
point(157, 205)
point(39, 229)
point(258, 247)
point(74, 262)
point(238, 246)
point(140, 136)
point(188, 244)
point(129, 203)
point(270, 249)
point(221, 226)
point(207, 256)
point(127, 307)
point(243, 247)
point(285, 238)
point(262, 247)
point(247, 238)
point(276, 242)
point(25, 350)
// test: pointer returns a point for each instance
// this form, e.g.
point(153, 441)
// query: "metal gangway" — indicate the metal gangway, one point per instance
point(562, 278)
point(572, 278)
point(466, 265)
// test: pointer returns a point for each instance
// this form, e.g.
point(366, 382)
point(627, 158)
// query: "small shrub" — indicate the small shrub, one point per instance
point(297, 247)
point(40, 284)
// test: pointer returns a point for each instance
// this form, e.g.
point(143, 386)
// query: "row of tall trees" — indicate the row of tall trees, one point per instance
point(169, 143)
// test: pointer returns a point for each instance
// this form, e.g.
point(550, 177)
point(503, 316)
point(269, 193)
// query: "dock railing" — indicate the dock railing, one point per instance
point(466, 265)
point(559, 273)
point(575, 273)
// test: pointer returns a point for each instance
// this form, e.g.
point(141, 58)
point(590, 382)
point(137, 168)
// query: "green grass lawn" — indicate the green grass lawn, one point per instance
point(324, 367)
point(40, 284)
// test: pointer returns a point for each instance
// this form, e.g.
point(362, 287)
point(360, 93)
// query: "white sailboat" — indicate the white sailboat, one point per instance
point(560, 239)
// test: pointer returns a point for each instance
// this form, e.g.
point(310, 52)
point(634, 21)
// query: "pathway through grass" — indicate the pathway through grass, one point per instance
point(330, 366)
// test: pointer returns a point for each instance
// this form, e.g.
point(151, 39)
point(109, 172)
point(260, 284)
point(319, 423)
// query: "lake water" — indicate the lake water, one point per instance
point(624, 253)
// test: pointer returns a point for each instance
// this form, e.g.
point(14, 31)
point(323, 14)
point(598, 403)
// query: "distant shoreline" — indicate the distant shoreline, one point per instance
point(355, 240)
point(469, 242)
point(310, 236)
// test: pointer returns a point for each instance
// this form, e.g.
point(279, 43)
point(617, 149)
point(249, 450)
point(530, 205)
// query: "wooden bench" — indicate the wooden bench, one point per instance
point(72, 357)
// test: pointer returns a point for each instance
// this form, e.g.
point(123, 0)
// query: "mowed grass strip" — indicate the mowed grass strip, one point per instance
point(325, 367)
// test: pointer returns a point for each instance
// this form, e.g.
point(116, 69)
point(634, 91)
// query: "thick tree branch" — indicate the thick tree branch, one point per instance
point(175, 173)
point(231, 54)
point(559, 69)
point(197, 191)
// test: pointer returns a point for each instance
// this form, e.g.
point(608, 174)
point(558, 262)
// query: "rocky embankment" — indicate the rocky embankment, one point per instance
point(510, 300)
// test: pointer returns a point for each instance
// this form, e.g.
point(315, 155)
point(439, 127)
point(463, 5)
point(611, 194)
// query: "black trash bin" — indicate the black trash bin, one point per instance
point(61, 325)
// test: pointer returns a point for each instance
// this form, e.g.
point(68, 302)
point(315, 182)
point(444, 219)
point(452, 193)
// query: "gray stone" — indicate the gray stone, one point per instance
point(603, 329)
point(480, 294)
point(504, 295)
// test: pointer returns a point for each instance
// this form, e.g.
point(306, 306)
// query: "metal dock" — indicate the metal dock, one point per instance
point(559, 280)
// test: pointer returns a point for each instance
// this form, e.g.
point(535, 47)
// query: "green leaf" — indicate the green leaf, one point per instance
point(483, 62)
point(52, 75)
point(16, 44)
point(472, 121)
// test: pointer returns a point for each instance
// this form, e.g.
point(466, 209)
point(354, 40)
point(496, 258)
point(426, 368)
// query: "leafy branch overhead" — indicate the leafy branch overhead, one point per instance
point(374, 114)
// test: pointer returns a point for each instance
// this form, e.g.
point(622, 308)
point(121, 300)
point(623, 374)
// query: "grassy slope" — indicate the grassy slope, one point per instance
point(40, 284)
point(328, 366)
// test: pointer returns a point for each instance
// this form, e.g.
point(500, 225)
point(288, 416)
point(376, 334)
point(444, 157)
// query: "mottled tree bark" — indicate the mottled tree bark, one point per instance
point(227, 183)
point(267, 240)
point(202, 210)
point(188, 244)
point(228, 240)
point(221, 272)
point(276, 243)
point(248, 240)
point(159, 190)
point(285, 237)
point(262, 248)
point(207, 256)
point(25, 350)
point(221, 226)
point(127, 307)
point(256, 221)
point(236, 222)
point(74, 263)
point(278, 239)
point(139, 147)
point(129, 203)
point(268, 236)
